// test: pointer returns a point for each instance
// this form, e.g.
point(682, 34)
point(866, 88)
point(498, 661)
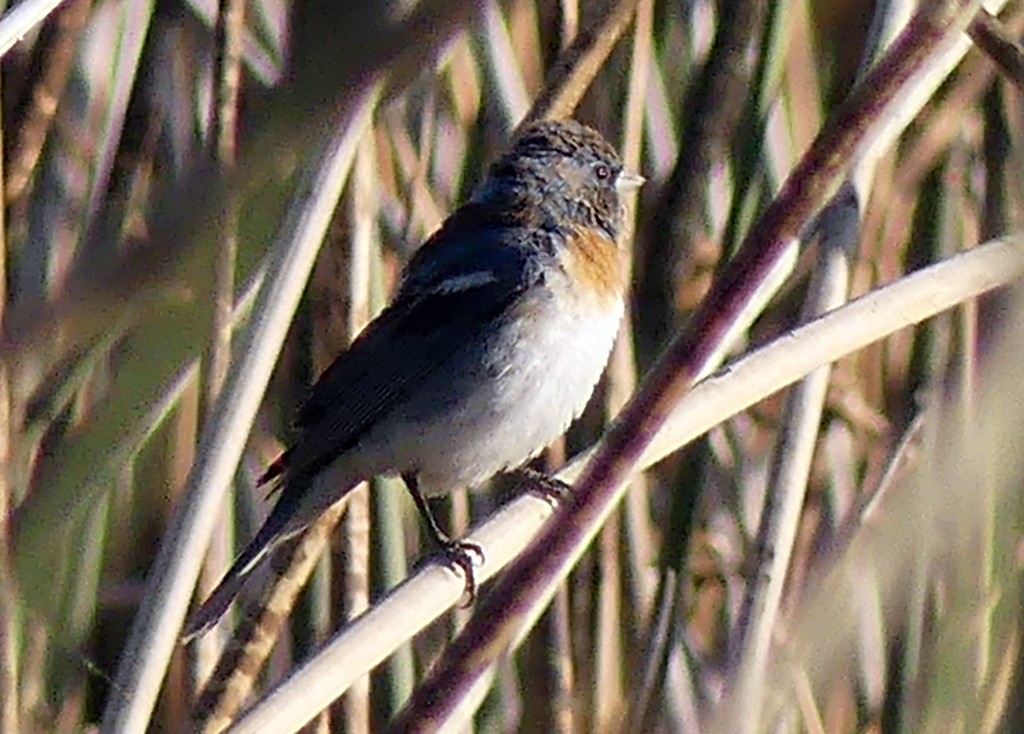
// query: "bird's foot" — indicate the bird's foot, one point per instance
point(543, 486)
point(466, 557)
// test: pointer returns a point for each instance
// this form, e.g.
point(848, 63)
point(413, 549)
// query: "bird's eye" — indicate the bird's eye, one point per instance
point(602, 172)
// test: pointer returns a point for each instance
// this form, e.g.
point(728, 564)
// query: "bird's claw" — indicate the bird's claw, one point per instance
point(543, 486)
point(460, 553)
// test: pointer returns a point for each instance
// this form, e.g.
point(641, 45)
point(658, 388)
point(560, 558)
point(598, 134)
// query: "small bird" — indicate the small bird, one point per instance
point(497, 336)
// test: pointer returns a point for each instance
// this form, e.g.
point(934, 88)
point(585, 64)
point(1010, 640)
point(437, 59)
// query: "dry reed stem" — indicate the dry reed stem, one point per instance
point(232, 681)
point(588, 53)
point(10, 696)
point(38, 122)
point(996, 40)
point(222, 145)
point(492, 628)
point(432, 141)
point(577, 66)
point(174, 257)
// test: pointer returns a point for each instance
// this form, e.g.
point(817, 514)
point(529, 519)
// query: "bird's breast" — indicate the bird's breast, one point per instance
point(550, 365)
point(506, 397)
point(595, 267)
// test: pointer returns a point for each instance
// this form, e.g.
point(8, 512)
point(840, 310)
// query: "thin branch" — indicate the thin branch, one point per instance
point(46, 93)
point(526, 584)
point(227, 71)
point(17, 22)
point(839, 225)
point(996, 40)
point(138, 283)
point(158, 622)
point(579, 64)
point(232, 681)
point(9, 628)
point(435, 588)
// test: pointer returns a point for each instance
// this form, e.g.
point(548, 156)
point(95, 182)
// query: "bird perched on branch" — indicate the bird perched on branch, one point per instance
point(500, 330)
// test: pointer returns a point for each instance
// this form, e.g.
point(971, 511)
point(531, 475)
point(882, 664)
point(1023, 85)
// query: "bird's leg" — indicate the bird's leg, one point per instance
point(458, 552)
point(548, 488)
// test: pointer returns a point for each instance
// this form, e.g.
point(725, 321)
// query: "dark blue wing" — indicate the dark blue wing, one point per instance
point(460, 282)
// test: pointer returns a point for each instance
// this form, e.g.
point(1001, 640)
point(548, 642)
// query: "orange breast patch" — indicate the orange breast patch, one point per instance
point(596, 267)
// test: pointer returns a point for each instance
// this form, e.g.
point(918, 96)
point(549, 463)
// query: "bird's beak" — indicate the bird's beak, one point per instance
point(628, 181)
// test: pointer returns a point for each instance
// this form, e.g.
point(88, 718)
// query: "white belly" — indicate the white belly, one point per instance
point(536, 383)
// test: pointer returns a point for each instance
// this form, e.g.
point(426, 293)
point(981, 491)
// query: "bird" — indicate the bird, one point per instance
point(500, 329)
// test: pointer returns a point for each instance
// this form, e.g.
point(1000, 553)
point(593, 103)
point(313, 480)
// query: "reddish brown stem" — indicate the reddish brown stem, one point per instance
point(490, 632)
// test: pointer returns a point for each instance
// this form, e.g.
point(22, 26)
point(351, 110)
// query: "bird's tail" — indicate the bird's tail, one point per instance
point(272, 534)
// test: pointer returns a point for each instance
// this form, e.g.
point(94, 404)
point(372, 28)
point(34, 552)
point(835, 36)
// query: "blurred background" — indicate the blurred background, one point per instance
point(151, 150)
